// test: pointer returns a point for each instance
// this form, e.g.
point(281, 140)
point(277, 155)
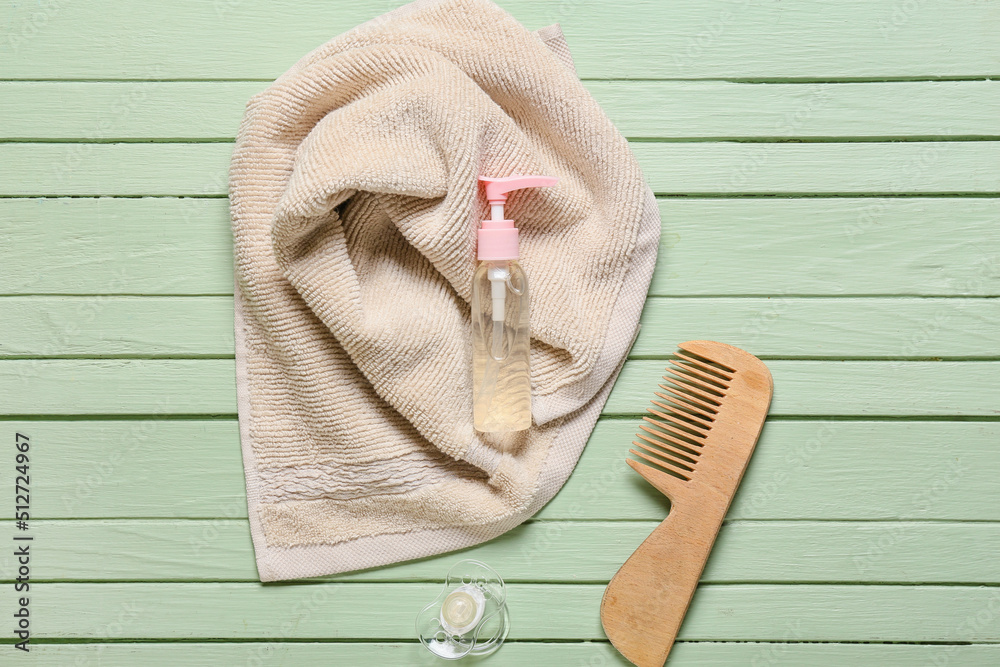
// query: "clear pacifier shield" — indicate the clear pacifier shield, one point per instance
point(474, 621)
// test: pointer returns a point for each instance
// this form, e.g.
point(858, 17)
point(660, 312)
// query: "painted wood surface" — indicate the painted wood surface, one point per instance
point(776, 327)
point(771, 247)
point(563, 551)
point(802, 469)
point(829, 190)
point(207, 387)
point(674, 168)
point(743, 612)
point(632, 39)
point(768, 247)
point(588, 654)
point(211, 110)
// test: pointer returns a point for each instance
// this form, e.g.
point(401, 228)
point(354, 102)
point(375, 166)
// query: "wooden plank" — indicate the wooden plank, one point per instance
point(42, 169)
point(813, 470)
point(845, 388)
point(517, 654)
point(820, 168)
point(828, 327)
point(114, 325)
point(632, 39)
point(541, 551)
point(726, 109)
point(207, 386)
point(125, 110)
point(888, 328)
point(770, 247)
point(200, 169)
point(119, 387)
point(116, 246)
point(192, 110)
point(880, 245)
point(909, 470)
point(824, 470)
point(750, 612)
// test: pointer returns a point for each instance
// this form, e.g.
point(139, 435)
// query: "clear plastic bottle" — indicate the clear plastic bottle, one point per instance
point(500, 316)
point(500, 340)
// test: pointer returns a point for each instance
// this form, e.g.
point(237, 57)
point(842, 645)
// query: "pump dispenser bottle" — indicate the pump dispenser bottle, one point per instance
point(501, 376)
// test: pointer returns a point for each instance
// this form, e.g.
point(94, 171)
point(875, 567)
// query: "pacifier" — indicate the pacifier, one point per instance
point(469, 616)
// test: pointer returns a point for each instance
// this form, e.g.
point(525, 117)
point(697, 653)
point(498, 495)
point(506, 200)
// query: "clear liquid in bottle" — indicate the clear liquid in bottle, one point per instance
point(500, 364)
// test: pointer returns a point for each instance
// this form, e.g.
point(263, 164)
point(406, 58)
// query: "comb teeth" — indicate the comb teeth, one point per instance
point(682, 413)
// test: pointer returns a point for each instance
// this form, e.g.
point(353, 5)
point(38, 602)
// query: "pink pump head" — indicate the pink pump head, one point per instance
point(497, 188)
point(498, 236)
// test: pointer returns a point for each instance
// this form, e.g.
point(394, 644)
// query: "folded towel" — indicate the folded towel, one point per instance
point(355, 207)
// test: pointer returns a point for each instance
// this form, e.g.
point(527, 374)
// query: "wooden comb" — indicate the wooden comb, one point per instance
point(695, 445)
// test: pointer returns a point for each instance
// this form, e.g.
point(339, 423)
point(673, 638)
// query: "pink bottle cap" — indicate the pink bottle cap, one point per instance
point(497, 240)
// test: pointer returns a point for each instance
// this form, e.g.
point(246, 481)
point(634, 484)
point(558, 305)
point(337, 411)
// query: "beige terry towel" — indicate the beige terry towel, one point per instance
point(355, 207)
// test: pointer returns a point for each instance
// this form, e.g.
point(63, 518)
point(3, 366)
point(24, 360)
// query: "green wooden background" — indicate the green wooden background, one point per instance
point(828, 176)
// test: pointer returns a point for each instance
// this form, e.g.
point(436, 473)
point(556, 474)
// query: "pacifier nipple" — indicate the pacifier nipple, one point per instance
point(462, 610)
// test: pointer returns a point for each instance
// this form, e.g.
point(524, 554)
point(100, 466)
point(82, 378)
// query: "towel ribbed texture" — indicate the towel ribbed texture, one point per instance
point(355, 207)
